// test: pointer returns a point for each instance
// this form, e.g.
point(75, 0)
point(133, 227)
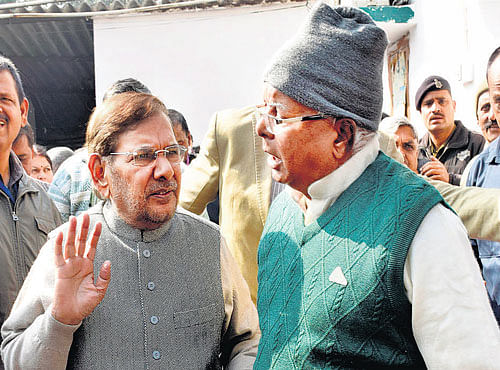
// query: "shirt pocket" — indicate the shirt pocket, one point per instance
point(197, 316)
point(44, 225)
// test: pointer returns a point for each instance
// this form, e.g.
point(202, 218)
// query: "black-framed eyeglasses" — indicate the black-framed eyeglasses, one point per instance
point(273, 122)
point(145, 156)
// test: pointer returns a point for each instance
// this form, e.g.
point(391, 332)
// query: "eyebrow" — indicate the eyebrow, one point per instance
point(277, 105)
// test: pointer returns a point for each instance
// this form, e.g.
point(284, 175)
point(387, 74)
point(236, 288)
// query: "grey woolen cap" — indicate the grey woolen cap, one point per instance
point(334, 64)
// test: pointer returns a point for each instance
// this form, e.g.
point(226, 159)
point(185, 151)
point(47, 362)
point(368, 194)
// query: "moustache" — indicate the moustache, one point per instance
point(437, 115)
point(490, 124)
point(4, 119)
point(161, 186)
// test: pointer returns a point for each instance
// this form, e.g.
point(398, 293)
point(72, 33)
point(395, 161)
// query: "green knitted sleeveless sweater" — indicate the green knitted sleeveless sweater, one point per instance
point(309, 318)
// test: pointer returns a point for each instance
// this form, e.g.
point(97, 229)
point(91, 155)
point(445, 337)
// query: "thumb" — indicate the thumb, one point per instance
point(103, 279)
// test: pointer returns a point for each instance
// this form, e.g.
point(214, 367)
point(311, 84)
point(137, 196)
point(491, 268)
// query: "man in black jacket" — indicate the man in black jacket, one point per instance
point(448, 146)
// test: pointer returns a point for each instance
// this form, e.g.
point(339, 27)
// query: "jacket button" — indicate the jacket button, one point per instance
point(156, 355)
point(146, 253)
point(154, 320)
point(151, 285)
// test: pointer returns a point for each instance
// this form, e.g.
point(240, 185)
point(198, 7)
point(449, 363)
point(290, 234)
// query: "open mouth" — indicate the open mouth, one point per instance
point(273, 161)
point(161, 192)
point(3, 119)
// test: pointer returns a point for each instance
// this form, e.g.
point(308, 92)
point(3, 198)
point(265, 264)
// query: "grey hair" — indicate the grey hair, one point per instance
point(391, 124)
point(361, 138)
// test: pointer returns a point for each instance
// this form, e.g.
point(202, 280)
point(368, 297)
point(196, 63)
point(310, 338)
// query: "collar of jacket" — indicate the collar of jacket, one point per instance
point(121, 228)
point(458, 138)
point(17, 174)
point(494, 152)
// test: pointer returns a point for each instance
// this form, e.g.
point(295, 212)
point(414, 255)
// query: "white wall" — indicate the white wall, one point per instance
point(453, 39)
point(200, 62)
point(196, 62)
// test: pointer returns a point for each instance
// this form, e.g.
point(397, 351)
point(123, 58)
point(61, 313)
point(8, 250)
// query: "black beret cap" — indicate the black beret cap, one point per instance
point(431, 83)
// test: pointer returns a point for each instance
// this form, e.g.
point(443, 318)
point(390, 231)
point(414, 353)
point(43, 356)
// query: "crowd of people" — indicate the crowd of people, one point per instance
point(344, 240)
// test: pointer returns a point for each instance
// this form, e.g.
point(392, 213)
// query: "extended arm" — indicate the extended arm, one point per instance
point(242, 334)
point(200, 181)
point(478, 208)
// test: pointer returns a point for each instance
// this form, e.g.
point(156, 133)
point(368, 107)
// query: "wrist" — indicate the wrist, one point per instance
point(63, 318)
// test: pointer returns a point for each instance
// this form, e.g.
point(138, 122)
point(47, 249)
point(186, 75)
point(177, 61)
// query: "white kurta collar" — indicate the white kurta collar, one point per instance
point(325, 191)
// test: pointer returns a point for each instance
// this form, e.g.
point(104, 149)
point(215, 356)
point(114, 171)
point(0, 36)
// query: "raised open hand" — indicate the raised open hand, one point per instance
point(76, 295)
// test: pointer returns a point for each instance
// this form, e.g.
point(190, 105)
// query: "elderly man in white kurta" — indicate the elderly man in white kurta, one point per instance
point(363, 265)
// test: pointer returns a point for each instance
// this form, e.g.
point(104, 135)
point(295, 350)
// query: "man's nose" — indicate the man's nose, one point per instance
point(491, 115)
point(163, 168)
point(436, 107)
point(261, 128)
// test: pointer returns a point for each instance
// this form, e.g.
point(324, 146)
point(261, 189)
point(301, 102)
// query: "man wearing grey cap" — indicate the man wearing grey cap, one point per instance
point(361, 262)
point(448, 146)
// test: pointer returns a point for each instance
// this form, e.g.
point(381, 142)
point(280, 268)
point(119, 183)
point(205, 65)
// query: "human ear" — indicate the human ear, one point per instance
point(24, 112)
point(343, 144)
point(97, 168)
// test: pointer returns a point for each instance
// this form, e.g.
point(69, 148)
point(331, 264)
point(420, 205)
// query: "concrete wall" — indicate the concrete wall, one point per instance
point(197, 62)
point(204, 61)
point(453, 38)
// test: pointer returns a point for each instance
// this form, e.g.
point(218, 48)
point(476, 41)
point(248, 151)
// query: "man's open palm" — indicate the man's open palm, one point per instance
point(76, 295)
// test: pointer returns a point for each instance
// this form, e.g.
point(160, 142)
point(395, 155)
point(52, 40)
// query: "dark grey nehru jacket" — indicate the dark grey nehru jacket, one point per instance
point(164, 308)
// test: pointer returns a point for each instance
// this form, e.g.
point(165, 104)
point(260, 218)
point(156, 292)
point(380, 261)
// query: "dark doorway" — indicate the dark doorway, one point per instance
point(55, 57)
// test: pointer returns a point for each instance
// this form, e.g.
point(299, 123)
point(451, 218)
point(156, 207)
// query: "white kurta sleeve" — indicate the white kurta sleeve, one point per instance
point(452, 320)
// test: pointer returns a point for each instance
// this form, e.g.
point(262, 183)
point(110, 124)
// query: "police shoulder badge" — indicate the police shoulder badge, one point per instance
point(463, 155)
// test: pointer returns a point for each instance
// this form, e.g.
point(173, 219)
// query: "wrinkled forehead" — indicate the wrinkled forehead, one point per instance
point(405, 132)
point(484, 98)
point(152, 132)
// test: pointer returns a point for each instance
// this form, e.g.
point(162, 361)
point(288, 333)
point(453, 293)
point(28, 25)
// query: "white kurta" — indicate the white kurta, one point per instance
point(452, 321)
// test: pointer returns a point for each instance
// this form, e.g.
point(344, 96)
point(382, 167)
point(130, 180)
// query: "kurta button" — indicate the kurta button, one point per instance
point(156, 355)
point(151, 285)
point(154, 320)
point(146, 253)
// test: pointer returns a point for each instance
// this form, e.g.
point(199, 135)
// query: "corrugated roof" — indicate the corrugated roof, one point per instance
point(56, 60)
point(87, 7)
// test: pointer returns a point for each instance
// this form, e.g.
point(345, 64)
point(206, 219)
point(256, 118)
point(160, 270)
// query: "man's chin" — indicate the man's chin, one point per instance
point(153, 221)
point(278, 176)
point(493, 133)
point(154, 217)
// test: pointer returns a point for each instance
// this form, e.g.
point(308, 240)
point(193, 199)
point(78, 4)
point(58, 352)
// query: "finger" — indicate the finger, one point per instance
point(425, 168)
point(438, 176)
point(437, 163)
point(434, 172)
point(103, 279)
point(58, 256)
point(69, 247)
point(82, 234)
point(96, 233)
